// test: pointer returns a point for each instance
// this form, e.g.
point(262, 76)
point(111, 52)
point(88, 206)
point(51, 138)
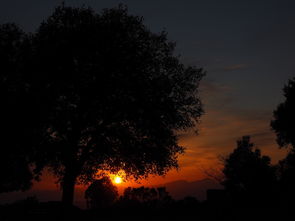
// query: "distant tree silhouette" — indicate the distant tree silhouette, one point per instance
point(284, 117)
point(145, 196)
point(16, 113)
point(140, 194)
point(101, 193)
point(113, 96)
point(248, 176)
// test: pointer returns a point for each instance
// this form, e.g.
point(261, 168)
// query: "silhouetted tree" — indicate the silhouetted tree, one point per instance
point(101, 193)
point(284, 117)
point(284, 126)
point(16, 114)
point(248, 176)
point(113, 96)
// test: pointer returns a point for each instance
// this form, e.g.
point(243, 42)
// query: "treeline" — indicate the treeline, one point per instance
point(248, 177)
point(253, 187)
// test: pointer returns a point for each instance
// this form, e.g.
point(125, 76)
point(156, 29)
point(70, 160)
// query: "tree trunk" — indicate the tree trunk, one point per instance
point(68, 188)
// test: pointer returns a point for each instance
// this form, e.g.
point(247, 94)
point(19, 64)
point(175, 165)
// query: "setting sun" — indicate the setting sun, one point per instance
point(119, 177)
point(117, 180)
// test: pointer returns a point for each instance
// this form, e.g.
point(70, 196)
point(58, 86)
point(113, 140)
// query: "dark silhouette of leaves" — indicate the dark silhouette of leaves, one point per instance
point(16, 126)
point(284, 117)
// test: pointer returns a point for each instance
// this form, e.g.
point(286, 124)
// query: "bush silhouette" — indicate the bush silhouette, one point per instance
point(101, 193)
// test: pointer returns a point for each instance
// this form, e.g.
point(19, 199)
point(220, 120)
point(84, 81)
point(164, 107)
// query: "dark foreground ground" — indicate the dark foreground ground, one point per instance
point(202, 211)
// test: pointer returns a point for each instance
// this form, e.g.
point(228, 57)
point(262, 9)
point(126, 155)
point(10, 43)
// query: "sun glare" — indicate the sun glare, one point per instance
point(117, 180)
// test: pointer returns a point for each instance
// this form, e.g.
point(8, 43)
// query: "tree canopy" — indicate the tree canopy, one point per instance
point(248, 176)
point(16, 113)
point(105, 93)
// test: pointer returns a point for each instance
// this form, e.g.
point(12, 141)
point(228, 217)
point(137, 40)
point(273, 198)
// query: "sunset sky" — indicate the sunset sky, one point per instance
point(247, 48)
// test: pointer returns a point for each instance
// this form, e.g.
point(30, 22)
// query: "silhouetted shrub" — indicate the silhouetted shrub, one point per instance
point(101, 193)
